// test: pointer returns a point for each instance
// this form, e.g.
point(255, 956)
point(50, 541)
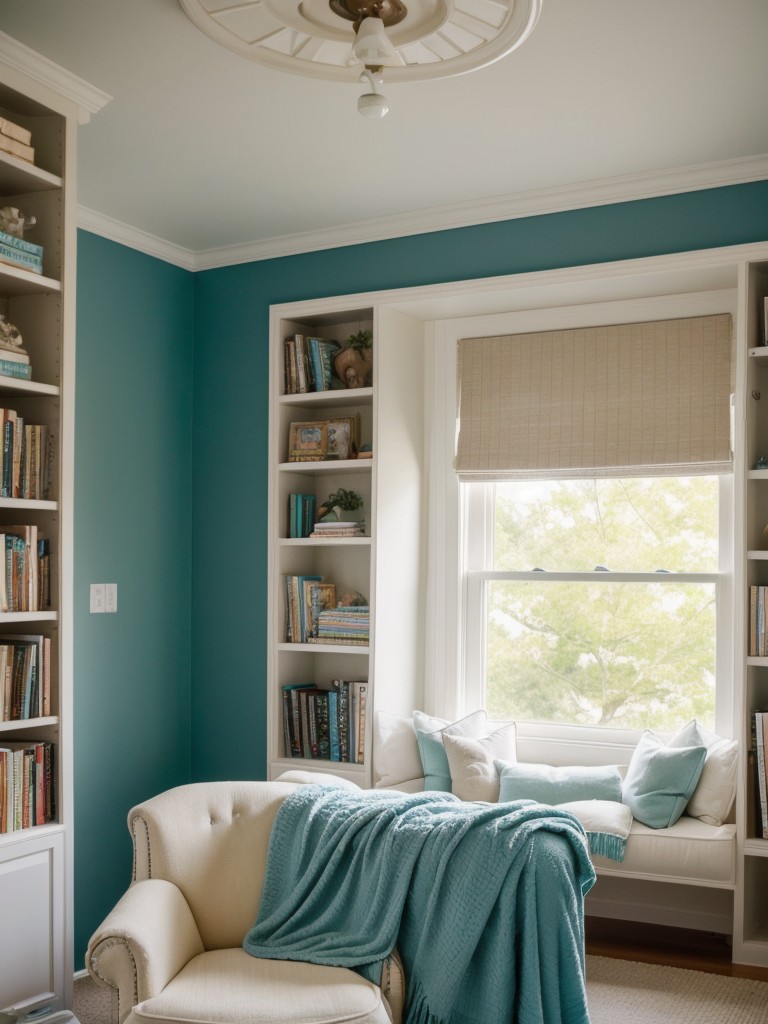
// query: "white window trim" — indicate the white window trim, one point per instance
point(447, 672)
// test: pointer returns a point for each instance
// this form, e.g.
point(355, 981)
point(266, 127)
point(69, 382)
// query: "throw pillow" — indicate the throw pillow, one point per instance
point(607, 824)
point(660, 780)
point(429, 735)
point(395, 751)
point(714, 795)
point(472, 762)
point(549, 785)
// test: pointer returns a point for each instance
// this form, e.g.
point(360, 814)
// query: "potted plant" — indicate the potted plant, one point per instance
point(340, 504)
point(353, 365)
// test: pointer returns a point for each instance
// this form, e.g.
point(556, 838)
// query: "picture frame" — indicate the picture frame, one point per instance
point(307, 442)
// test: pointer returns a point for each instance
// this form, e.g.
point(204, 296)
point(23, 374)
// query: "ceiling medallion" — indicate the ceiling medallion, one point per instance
point(354, 40)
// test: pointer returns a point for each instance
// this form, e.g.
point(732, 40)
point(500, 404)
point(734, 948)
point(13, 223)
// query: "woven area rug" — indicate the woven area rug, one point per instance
point(619, 992)
point(623, 991)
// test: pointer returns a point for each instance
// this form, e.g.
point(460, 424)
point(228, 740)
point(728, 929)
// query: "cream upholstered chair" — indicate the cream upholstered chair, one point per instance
point(171, 949)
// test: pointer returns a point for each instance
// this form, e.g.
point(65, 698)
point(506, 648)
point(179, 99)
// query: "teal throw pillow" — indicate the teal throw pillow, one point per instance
point(549, 785)
point(660, 780)
point(429, 736)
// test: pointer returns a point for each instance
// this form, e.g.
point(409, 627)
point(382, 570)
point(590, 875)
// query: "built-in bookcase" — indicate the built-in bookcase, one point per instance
point(372, 565)
point(36, 858)
point(753, 928)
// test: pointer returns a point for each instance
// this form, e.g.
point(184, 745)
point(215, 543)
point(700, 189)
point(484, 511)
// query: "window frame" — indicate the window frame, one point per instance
point(449, 637)
point(477, 572)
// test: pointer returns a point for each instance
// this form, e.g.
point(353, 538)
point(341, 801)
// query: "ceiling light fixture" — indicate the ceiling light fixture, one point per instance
point(331, 38)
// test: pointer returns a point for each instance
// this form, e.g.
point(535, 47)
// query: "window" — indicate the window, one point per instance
point(597, 603)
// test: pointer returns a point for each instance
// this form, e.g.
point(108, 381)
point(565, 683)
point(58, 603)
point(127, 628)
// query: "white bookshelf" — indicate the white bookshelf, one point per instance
point(36, 920)
point(363, 564)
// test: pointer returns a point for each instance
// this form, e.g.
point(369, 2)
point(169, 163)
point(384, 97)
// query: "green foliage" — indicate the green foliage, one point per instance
point(626, 654)
point(360, 341)
point(346, 500)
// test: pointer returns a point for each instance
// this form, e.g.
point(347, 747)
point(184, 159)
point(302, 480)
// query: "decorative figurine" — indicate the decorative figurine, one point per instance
point(14, 222)
point(354, 364)
point(10, 335)
point(762, 462)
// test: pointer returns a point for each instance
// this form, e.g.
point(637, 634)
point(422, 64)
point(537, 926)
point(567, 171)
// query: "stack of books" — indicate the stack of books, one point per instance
point(27, 785)
point(343, 625)
point(325, 724)
point(16, 140)
point(20, 253)
point(758, 633)
point(339, 528)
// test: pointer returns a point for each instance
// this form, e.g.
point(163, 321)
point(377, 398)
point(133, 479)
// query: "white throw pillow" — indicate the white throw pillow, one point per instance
point(430, 732)
point(471, 761)
point(716, 789)
point(396, 756)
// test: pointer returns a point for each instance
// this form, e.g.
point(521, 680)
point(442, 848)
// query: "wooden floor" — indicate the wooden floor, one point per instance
point(676, 947)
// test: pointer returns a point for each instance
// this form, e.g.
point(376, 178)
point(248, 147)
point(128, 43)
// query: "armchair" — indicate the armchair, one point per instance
point(171, 949)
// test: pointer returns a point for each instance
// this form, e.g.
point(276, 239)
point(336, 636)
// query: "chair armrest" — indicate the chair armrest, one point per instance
point(144, 942)
point(393, 985)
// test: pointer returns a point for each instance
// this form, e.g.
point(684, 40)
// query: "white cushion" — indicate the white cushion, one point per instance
point(608, 825)
point(395, 750)
point(218, 987)
point(716, 789)
point(689, 851)
point(471, 760)
point(429, 735)
point(310, 778)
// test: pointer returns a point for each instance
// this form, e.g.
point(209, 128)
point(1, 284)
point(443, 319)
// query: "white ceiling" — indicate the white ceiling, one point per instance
point(204, 149)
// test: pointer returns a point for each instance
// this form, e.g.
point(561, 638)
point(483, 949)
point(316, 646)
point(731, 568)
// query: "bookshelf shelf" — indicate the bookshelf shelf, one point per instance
point(324, 648)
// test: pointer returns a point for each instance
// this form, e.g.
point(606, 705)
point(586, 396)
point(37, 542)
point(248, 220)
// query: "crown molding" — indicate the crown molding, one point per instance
point(88, 98)
point(601, 192)
point(135, 238)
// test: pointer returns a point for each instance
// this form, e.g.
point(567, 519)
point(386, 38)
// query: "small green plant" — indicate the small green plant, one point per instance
point(348, 501)
point(360, 341)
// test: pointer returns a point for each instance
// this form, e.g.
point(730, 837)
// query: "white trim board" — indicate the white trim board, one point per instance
point(605, 191)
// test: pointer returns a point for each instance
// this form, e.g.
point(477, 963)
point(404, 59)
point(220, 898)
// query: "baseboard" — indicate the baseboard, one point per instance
point(662, 904)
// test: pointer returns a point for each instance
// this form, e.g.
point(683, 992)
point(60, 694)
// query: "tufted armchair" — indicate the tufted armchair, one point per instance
point(171, 949)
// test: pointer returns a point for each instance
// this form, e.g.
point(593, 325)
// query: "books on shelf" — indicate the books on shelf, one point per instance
point(308, 364)
point(758, 627)
point(326, 724)
point(760, 745)
point(339, 528)
point(301, 514)
point(343, 625)
point(15, 147)
point(19, 252)
point(25, 576)
point(26, 455)
point(11, 130)
point(25, 677)
point(27, 785)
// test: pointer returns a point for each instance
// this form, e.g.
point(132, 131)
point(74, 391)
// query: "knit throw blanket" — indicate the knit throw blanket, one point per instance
point(483, 901)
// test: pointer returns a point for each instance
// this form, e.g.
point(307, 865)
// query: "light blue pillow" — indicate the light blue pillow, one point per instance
point(429, 736)
point(660, 780)
point(549, 785)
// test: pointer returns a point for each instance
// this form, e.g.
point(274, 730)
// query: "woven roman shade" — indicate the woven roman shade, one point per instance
point(639, 399)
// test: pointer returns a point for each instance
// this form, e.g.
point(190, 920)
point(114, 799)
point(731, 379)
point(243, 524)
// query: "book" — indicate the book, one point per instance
point(17, 148)
point(760, 734)
point(317, 597)
point(25, 260)
point(292, 718)
point(11, 368)
point(14, 242)
point(15, 131)
point(321, 354)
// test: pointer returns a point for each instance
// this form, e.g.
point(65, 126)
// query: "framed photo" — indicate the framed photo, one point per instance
point(307, 442)
point(343, 438)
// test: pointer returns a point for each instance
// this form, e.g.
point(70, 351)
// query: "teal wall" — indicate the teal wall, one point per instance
point(173, 686)
point(132, 526)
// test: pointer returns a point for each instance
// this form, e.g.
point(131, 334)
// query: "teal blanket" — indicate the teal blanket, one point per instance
point(483, 901)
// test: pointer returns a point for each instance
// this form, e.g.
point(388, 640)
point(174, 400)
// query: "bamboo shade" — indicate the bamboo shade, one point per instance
point(626, 399)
